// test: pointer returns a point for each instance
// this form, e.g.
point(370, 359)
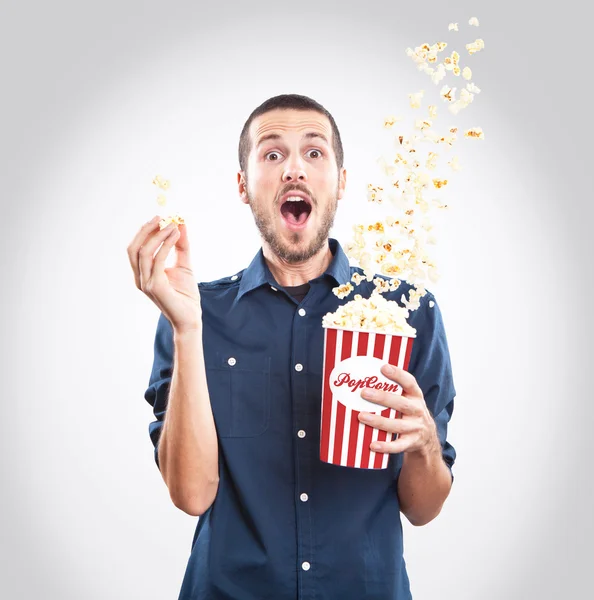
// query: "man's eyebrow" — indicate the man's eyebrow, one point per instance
point(307, 136)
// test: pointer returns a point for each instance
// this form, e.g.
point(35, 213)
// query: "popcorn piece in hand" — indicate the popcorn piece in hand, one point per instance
point(475, 132)
point(172, 219)
point(161, 183)
point(415, 99)
point(474, 21)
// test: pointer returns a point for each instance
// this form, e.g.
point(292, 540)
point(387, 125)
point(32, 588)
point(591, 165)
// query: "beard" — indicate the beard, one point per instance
point(290, 252)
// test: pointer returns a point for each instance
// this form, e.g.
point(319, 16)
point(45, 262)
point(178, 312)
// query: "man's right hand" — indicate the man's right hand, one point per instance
point(174, 290)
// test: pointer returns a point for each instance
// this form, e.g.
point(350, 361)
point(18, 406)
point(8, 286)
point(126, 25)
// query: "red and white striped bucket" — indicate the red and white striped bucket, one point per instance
point(352, 361)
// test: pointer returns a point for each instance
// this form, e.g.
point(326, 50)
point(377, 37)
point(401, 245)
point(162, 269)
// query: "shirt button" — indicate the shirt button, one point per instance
point(298, 367)
point(301, 312)
point(231, 361)
point(304, 497)
point(301, 433)
point(305, 566)
point(234, 277)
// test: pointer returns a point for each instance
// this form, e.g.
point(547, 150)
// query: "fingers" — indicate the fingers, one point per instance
point(182, 247)
point(136, 244)
point(387, 424)
point(409, 405)
point(161, 256)
point(405, 379)
point(147, 252)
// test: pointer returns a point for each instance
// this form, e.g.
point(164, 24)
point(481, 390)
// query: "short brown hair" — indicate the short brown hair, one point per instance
point(287, 101)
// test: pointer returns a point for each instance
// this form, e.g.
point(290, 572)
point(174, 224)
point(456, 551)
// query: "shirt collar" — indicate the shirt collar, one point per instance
point(258, 273)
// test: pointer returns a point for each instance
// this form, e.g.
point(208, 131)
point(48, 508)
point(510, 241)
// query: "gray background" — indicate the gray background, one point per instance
point(99, 97)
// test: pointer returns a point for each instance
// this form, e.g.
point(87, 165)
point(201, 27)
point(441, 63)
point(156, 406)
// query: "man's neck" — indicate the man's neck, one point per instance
point(292, 274)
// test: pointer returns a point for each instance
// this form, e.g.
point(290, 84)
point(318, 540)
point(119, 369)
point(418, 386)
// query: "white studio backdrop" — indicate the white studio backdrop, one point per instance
point(104, 96)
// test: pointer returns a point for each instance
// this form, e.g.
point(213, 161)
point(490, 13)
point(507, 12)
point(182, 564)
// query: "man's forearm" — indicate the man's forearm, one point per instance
point(188, 447)
point(424, 483)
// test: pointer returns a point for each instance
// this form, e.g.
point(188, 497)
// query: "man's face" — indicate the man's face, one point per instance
point(291, 155)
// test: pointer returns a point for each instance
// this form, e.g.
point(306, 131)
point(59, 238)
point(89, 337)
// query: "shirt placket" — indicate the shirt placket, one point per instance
point(303, 457)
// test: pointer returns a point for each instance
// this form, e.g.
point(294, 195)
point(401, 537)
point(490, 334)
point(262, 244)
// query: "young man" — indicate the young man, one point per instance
point(236, 390)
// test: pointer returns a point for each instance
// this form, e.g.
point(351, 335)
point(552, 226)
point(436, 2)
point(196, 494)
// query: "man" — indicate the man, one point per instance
point(236, 390)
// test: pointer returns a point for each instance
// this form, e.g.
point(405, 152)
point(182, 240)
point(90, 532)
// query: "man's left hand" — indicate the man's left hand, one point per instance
point(415, 428)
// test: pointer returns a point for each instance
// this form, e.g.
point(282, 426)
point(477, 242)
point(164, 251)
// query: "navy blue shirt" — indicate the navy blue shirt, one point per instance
point(285, 525)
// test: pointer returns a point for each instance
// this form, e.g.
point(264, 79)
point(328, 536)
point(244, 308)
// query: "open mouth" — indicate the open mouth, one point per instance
point(295, 211)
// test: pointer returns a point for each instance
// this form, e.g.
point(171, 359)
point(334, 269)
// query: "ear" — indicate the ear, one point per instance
point(242, 187)
point(342, 183)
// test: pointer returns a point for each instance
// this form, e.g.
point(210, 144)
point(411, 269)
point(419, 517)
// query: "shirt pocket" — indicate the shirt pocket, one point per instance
point(239, 390)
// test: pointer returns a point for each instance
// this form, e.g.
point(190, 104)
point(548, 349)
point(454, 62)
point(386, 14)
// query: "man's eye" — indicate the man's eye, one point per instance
point(319, 153)
point(271, 154)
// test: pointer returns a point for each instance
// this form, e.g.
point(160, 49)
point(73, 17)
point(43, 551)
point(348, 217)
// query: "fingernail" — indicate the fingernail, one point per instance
point(364, 417)
point(369, 393)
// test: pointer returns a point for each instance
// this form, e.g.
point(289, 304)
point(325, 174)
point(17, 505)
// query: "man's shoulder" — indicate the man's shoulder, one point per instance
point(228, 281)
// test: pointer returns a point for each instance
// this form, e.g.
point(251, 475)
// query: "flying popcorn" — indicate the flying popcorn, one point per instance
point(475, 132)
point(431, 162)
point(389, 121)
point(161, 200)
point(473, 21)
point(423, 124)
point(343, 291)
point(454, 164)
point(374, 193)
point(440, 73)
point(475, 46)
point(396, 247)
point(447, 93)
point(415, 99)
point(161, 183)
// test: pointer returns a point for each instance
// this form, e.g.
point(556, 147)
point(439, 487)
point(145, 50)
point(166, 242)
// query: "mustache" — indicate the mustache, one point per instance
point(295, 187)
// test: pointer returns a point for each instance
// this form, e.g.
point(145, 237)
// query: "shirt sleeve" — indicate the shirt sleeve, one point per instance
point(431, 366)
point(157, 393)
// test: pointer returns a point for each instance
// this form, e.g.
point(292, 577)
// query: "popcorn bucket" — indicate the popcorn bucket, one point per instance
point(352, 361)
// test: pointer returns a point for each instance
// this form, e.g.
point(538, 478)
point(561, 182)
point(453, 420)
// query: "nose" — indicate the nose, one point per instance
point(294, 170)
